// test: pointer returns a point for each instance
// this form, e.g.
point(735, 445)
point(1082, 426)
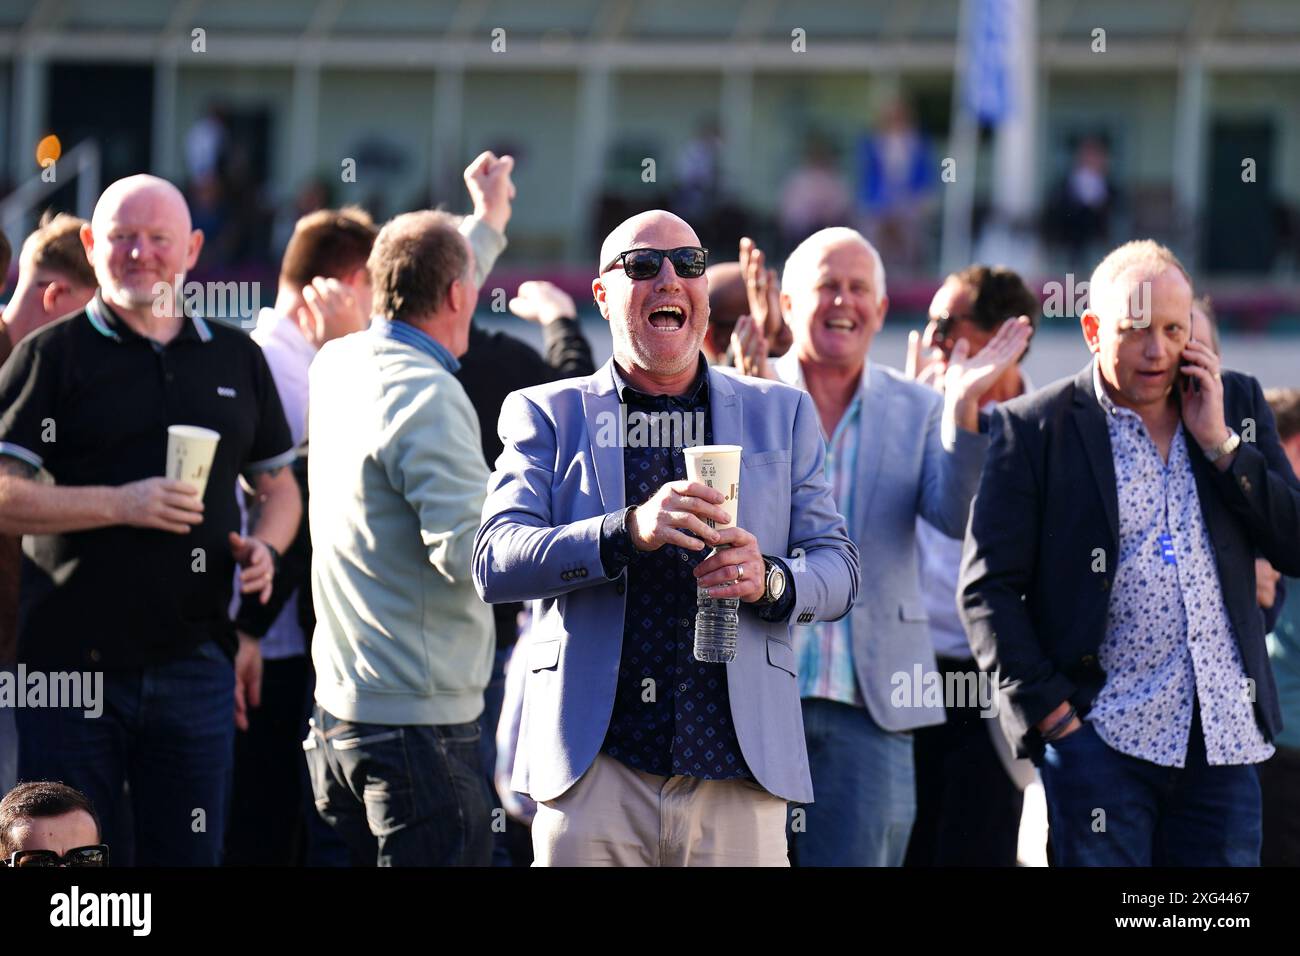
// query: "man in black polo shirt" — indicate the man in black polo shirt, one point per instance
point(125, 572)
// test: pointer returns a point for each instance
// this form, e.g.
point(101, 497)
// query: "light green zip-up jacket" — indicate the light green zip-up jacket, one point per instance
point(397, 484)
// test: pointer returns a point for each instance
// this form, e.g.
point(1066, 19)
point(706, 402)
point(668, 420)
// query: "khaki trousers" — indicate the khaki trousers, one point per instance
point(617, 816)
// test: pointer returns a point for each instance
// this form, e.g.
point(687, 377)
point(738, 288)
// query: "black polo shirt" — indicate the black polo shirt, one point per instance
point(89, 400)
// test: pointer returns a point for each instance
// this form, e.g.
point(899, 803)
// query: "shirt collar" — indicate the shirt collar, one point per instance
point(109, 324)
point(693, 396)
point(408, 334)
point(790, 370)
point(1103, 397)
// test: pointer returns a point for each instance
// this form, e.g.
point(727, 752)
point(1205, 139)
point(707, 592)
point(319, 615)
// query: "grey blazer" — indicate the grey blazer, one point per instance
point(906, 467)
point(540, 539)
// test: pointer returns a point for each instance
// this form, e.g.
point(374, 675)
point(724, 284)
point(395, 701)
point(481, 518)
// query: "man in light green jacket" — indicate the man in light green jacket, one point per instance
point(403, 646)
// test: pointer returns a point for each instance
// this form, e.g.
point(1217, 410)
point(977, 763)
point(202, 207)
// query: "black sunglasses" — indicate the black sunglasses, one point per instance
point(79, 857)
point(688, 261)
point(943, 323)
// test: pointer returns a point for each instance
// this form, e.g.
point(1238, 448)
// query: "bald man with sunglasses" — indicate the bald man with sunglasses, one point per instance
point(636, 753)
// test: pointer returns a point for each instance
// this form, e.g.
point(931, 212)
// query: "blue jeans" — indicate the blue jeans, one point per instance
point(1106, 808)
point(168, 732)
point(411, 795)
point(864, 790)
point(503, 842)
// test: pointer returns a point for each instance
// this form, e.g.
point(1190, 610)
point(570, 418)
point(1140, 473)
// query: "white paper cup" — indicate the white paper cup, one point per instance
point(190, 450)
point(717, 466)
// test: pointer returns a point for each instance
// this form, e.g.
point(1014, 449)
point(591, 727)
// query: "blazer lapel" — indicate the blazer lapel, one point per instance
point(871, 446)
point(1091, 421)
point(600, 404)
point(728, 421)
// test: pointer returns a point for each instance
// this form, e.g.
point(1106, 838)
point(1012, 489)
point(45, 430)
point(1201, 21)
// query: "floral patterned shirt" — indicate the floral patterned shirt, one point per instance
point(1169, 643)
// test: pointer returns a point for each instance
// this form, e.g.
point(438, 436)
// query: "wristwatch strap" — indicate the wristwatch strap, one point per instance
point(1225, 447)
point(767, 600)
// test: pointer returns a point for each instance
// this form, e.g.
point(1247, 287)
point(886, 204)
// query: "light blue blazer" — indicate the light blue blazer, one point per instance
point(540, 540)
point(906, 467)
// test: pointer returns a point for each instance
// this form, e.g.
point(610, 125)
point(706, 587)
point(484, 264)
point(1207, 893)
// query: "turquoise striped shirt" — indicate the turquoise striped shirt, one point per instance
point(825, 650)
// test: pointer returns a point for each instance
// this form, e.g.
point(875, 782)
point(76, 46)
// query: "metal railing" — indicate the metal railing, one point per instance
point(17, 210)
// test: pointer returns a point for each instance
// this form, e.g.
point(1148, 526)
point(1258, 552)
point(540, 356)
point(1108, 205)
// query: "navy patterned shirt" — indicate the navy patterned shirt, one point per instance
point(672, 713)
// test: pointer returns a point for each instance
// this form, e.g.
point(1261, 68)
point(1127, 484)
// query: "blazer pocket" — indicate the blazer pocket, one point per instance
point(765, 458)
point(544, 655)
point(912, 610)
point(781, 655)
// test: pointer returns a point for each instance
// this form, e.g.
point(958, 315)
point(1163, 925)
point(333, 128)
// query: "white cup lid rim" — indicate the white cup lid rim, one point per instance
point(193, 431)
point(711, 449)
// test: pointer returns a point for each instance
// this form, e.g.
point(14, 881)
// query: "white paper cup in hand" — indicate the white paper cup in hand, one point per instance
point(717, 624)
point(190, 450)
point(717, 466)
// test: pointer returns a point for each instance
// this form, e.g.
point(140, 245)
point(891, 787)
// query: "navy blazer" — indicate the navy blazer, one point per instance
point(1032, 605)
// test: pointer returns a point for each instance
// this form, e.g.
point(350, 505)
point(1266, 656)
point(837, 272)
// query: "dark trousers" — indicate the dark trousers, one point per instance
point(967, 806)
point(267, 822)
point(1279, 779)
point(1106, 808)
point(167, 732)
point(411, 795)
point(512, 842)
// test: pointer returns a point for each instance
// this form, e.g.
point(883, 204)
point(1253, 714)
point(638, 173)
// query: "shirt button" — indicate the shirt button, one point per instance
point(686, 556)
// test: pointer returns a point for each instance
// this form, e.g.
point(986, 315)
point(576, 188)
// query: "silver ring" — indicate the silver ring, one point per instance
point(740, 571)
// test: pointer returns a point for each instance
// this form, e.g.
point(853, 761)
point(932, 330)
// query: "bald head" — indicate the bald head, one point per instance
point(142, 190)
point(728, 301)
point(631, 233)
point(141, 242)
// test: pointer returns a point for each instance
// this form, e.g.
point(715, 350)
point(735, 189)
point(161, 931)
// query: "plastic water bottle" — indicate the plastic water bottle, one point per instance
point(717, 625)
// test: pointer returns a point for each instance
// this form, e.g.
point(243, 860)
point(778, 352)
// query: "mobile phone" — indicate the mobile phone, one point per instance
point(1183, 379)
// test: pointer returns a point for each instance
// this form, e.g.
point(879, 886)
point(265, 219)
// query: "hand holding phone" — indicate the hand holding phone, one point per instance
point(1202, 408)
